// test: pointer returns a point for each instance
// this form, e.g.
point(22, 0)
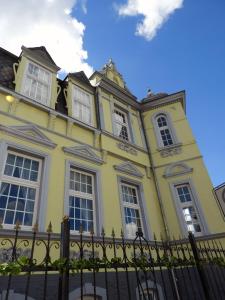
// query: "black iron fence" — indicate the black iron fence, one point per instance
point(46, 266)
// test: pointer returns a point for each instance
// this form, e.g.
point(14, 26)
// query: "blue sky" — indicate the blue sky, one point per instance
point(187, 51)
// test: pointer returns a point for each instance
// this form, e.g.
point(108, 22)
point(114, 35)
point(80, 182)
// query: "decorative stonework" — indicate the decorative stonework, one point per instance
point(29, 132)
point(176, 169)
point(13, 106)
point(129, 168)
point(170, 151)
point(69, 127)
point(84, 152)
point(51, 121)
point(127, 148)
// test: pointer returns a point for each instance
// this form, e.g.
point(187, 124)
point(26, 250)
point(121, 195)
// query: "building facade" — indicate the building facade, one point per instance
point(89, 149)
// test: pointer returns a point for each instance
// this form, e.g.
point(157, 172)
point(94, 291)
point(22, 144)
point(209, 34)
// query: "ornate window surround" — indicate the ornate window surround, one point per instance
point(165, 151)
point(43, 190)
point(113, 106)
point(97, 188)
point(142, 204)
point(196, 202)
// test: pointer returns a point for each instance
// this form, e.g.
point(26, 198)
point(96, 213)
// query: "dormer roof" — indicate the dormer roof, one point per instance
point(41, 55)
point(80, 76)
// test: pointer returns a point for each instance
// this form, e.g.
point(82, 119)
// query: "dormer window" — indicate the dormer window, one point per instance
point(82, 105)
point(37, 83)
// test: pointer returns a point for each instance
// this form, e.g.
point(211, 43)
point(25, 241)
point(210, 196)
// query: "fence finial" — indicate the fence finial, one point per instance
point(49, 229)
point(17, 225)
point(81, 228)
point(35, 227)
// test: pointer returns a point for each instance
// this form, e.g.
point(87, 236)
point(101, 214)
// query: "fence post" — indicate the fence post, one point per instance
point(200, 270)
point(63, 289)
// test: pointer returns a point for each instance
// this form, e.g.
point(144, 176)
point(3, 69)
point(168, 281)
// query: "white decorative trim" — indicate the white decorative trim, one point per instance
point(127, 148)
point(196, 202)
point(84, 152)
point(128, 168)
point(30, 133)
point(170, 150)
point(158, 134)
point(178, 168)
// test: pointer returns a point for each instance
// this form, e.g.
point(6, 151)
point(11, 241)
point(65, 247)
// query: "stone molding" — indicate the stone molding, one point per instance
point(30, 133)
point(128, 168)
point(127, 148)
point(84, 152)
point(177, 169)
point(170, 150)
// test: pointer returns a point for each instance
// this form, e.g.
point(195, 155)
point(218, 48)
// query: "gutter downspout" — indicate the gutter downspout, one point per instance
point(156, 181)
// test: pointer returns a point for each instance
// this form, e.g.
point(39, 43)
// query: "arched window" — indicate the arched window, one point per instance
point(164, 130)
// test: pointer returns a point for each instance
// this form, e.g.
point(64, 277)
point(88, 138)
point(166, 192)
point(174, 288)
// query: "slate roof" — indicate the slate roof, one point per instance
point(7, 60)
point(81, 76)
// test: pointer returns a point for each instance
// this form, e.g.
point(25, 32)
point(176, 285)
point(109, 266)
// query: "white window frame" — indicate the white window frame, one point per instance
point(82, 104)
point(27, 75)
point(169, 126)
point(195, 203)
point(164, 128)
point(126, 124)
point(83, 195)
point(132, 206)
point(23, 182)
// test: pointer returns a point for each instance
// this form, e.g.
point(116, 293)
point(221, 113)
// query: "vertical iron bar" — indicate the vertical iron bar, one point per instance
point(93, 257)
point(17, 227)
point(171, 273)
point(195, 271)
point(63, 289)
point(47, 259)
point(81, 258)
point(125, 261)
point(210, 255)
point(116, 269)
point(140, 236)
point(217, 250)
point(198, 265)
point(105, 263)
point(180, 266)
point(30, 262)
point(160, 268)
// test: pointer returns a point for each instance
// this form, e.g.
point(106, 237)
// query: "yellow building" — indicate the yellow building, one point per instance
point(89, 149)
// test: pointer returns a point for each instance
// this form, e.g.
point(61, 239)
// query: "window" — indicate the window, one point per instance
point(189, 210)
point(131, 210)
point(37, 84)
point(82, 105)
point(19, 189)
point(164, 130)
point(81, 201)
point(121, 124)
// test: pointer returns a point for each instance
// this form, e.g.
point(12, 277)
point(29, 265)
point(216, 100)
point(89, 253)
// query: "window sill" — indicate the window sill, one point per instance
point(170, 150)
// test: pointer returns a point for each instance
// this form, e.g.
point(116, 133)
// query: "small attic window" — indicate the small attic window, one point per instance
point(37, 83)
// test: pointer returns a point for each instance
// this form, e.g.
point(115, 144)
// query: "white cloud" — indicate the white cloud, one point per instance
point(46, 23)
point(155, 13)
